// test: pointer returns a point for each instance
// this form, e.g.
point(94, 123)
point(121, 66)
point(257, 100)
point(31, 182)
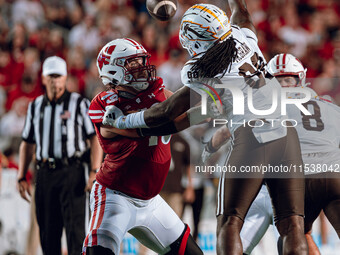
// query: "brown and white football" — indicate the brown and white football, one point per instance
point(162, 10)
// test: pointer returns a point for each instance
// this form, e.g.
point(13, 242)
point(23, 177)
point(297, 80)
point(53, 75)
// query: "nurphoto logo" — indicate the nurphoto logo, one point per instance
point(278, 95)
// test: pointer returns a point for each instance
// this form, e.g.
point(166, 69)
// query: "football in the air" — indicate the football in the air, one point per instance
point(161, 10)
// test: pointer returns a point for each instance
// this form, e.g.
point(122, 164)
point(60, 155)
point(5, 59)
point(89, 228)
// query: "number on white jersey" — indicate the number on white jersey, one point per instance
point(313, 122)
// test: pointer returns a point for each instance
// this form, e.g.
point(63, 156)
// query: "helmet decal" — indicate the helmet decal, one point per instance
point(104, 59)
point(194, 31)
point(201, 26)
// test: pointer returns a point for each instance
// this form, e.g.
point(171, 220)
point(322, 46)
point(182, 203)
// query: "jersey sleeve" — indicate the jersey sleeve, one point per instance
point(28, 131)
point(96, 110)
point(99, 103)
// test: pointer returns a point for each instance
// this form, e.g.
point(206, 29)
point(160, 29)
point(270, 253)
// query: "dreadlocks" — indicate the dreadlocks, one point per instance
point(217, 59)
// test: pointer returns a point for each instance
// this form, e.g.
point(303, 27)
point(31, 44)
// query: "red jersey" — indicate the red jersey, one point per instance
point(135, 166)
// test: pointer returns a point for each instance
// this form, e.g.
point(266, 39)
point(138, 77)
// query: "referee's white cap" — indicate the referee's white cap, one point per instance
point(54, 65)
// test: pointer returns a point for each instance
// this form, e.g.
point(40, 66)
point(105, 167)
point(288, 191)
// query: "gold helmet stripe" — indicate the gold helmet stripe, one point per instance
point(208, 11)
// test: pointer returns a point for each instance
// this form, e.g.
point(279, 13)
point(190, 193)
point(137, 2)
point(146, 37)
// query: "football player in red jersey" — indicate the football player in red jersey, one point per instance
point(125, 196)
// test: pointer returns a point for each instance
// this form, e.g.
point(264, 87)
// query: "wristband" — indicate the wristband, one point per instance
point(22, 179)
point(209, 147)
point(134, 120)
point(94, 170)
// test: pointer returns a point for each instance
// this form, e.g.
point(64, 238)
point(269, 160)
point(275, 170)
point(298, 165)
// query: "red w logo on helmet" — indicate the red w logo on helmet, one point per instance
point(104, 59)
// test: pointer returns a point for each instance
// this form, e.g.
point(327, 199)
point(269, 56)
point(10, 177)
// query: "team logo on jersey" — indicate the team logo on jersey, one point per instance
point(194, 31)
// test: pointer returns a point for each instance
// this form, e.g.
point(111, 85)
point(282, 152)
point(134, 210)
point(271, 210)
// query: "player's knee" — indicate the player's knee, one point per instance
point(185, 245)
point(292, 224)
point(233, 223)
point(98, 250)
point(228, 222)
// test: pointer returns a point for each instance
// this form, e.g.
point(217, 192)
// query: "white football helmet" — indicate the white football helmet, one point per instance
point(111, 64)
point(287, 64)
point(201, 26)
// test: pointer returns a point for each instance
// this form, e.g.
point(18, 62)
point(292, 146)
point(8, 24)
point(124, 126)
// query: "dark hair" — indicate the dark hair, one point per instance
point(217, 59)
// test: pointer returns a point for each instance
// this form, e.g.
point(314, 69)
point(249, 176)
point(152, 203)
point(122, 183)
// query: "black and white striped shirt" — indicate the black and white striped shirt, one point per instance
point(59, 129)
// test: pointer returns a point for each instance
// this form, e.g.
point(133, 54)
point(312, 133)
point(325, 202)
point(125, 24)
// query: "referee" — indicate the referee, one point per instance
point(58, 129)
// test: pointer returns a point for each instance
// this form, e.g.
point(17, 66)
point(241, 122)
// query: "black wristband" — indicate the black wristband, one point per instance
point(22, 179)
point(209, 147)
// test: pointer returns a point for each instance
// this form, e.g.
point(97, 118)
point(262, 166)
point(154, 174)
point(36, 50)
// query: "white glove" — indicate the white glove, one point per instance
point(113, 116)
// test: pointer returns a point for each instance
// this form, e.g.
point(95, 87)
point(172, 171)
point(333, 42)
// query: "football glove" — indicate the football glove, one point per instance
point(113, 116)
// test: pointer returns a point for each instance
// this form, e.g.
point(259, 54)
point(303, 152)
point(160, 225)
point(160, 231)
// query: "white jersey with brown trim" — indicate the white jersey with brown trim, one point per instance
point(319, 132)
point(246, 75)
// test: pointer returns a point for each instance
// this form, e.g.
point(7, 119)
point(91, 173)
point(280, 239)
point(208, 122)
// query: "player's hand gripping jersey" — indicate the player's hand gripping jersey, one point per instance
point(247, 71)
point(135, 166)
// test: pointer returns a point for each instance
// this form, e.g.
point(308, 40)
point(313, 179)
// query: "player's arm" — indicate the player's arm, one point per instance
point(180, 123)
point(171, 108)
point(240, 15)
point(96, 154)
point(190, 117)
point(220, 138)
point(156, 116)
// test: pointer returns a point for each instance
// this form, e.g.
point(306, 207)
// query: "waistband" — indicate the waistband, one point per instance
point(54, 163)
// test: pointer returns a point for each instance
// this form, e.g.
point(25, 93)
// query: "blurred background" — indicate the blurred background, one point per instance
point(32, 30)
